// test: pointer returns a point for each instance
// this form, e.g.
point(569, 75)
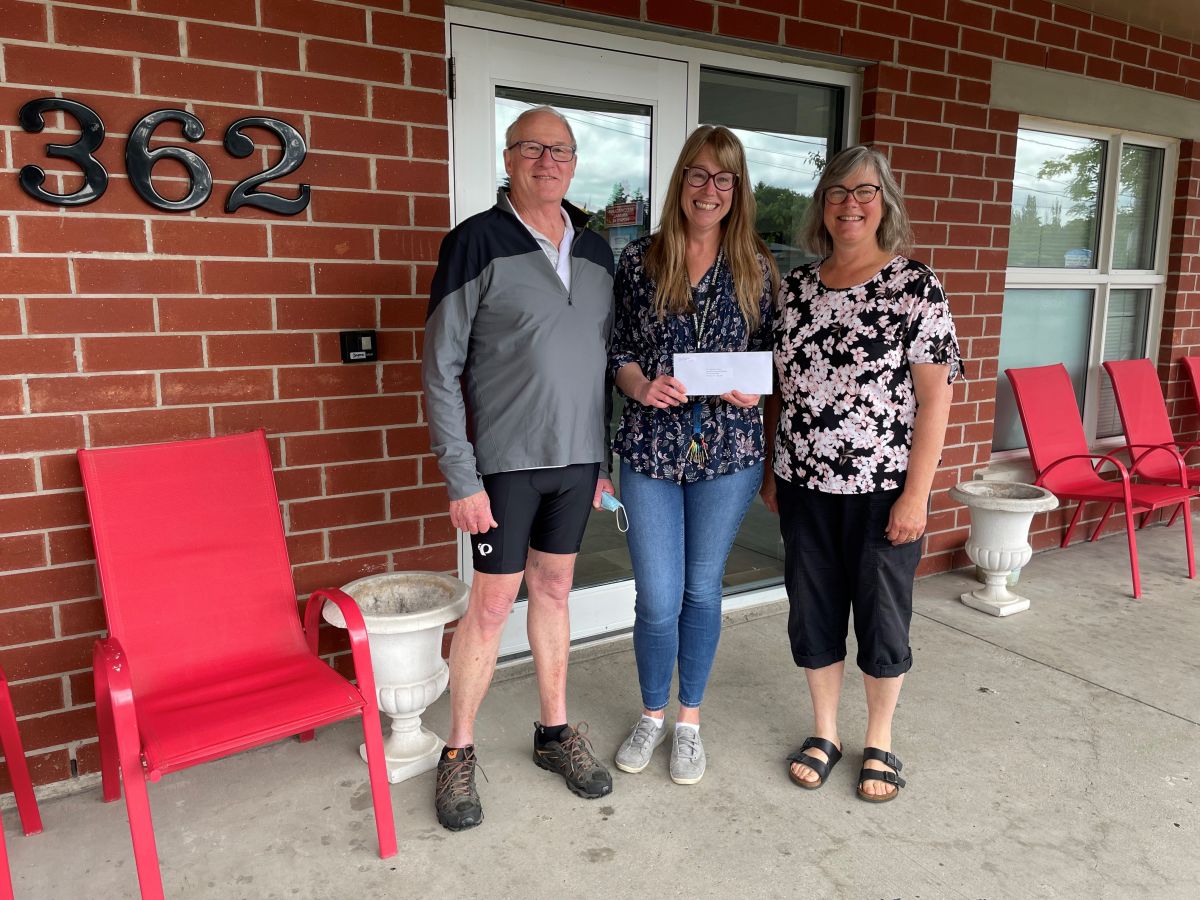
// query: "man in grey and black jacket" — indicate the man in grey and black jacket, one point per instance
point(514, 376)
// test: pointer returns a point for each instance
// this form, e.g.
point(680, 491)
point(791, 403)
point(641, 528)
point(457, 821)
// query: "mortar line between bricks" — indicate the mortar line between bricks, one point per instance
point(1055, 668)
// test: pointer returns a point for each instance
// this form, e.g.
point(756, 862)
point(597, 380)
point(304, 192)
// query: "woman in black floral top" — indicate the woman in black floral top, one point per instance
point(690, 465)
point(865, 354)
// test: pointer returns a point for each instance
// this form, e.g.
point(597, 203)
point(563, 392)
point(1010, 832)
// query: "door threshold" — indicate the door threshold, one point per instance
point(736, 609)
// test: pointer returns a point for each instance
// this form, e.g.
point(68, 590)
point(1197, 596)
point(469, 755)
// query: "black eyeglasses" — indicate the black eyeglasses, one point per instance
point(534, 150)
point(863, 193)
point(698, 178)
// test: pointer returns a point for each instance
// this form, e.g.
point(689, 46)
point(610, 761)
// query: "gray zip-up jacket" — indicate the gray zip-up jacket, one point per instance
point(530, 354)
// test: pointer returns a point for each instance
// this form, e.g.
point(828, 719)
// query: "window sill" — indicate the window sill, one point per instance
point(1018, 469)
point(1014, 465)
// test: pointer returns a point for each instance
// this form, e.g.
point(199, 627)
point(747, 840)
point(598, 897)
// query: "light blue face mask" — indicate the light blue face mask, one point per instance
point(612, 504)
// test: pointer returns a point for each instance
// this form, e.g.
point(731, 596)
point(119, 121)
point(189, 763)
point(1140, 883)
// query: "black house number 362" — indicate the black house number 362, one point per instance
point(140, 160)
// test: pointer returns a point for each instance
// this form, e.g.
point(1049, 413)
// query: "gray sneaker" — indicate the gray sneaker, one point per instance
point(634, 754)
point(687, 756)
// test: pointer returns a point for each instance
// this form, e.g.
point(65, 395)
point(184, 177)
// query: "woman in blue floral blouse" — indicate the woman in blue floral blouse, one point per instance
point(690, 465)
point(865, 354)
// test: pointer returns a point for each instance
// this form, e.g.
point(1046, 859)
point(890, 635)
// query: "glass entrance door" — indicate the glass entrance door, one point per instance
point(789, 129)
point(612, 183)
point(628, 114)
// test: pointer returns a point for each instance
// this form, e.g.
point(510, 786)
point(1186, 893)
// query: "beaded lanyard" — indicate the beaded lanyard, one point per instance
point(697, 451)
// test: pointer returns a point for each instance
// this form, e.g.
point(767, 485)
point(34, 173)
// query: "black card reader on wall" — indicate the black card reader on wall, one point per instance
point(358, 346)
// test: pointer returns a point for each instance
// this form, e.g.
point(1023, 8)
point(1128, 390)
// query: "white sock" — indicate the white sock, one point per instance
point(657, 723)
point(694, 727)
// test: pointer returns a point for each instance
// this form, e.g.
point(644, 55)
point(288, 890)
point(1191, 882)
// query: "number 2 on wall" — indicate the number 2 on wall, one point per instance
point(140, 159)
point(245, 193)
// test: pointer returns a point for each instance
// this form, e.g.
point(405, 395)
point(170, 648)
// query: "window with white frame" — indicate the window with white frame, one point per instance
point(1087, 259)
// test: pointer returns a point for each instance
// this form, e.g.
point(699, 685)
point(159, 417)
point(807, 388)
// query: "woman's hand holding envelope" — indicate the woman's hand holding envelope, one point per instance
point(662, 392)
point(737, 398)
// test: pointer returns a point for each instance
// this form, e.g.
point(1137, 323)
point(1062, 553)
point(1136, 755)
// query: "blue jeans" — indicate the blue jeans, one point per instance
point(680, 536)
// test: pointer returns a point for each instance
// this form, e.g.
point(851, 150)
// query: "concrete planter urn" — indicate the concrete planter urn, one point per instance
point(405, 614)
point(998, 544)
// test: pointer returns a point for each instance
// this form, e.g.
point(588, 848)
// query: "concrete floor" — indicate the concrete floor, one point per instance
point(1052, 754)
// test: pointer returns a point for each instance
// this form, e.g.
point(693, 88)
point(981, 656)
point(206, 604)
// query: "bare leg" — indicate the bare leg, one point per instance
point(474, 648)
point(825, 688)
point(882, 696)
point(549, 576)
point(689, 715)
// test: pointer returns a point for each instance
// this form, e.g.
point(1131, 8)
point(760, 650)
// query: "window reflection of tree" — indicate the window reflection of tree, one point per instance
point(1053, 236)
point(1047, 235)
point(780, 211)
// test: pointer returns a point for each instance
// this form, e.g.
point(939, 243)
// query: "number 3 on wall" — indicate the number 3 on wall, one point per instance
point(140, 159)
point(91, 136)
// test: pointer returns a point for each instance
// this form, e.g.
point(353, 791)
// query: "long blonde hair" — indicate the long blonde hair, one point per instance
point(666, 259)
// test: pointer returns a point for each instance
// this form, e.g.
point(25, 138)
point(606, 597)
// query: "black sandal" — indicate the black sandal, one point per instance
point(821, 767)
point(893, 778)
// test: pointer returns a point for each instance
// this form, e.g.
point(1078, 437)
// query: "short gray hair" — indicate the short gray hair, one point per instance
point(511, 131)
point(895, 229)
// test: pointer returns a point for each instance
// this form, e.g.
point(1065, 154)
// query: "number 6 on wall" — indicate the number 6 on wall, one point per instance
point(140, 160)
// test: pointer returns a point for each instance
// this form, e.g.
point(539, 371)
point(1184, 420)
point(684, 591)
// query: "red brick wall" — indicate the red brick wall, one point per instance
point(1181, 318)
point(121, 324)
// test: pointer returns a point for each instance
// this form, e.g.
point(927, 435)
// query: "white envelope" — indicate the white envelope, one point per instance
point(712, 374)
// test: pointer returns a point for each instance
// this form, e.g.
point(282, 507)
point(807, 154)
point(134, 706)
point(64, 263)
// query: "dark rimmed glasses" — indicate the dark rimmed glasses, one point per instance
point(863, 193)
point(534, 150)
point(698, 178)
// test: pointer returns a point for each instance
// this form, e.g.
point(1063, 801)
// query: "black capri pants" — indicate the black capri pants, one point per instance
point(837, 558)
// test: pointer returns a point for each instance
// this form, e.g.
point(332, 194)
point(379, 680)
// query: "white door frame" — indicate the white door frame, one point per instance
point(484, 59)
point(603, 74)
point(770, 62)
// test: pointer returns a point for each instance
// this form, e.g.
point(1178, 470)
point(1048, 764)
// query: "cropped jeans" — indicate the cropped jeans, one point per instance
point(679, 537)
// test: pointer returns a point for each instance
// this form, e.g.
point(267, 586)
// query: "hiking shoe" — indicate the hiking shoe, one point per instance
point(634, 754)
point(687, 756)
point(572, 758)
point(455, 796)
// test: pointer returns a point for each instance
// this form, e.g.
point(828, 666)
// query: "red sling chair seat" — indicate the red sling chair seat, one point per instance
point(1146, 423)
point(206, 655)
point(22, 786)
point(1064, 465)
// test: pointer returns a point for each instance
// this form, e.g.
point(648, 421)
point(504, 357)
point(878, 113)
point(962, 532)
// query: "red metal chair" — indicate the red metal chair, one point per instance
point(1147, 426)
point(1059, 451)
point(206, 655)
point(18, 774)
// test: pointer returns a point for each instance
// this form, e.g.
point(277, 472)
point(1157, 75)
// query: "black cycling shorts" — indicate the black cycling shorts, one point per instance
point(546, 509)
